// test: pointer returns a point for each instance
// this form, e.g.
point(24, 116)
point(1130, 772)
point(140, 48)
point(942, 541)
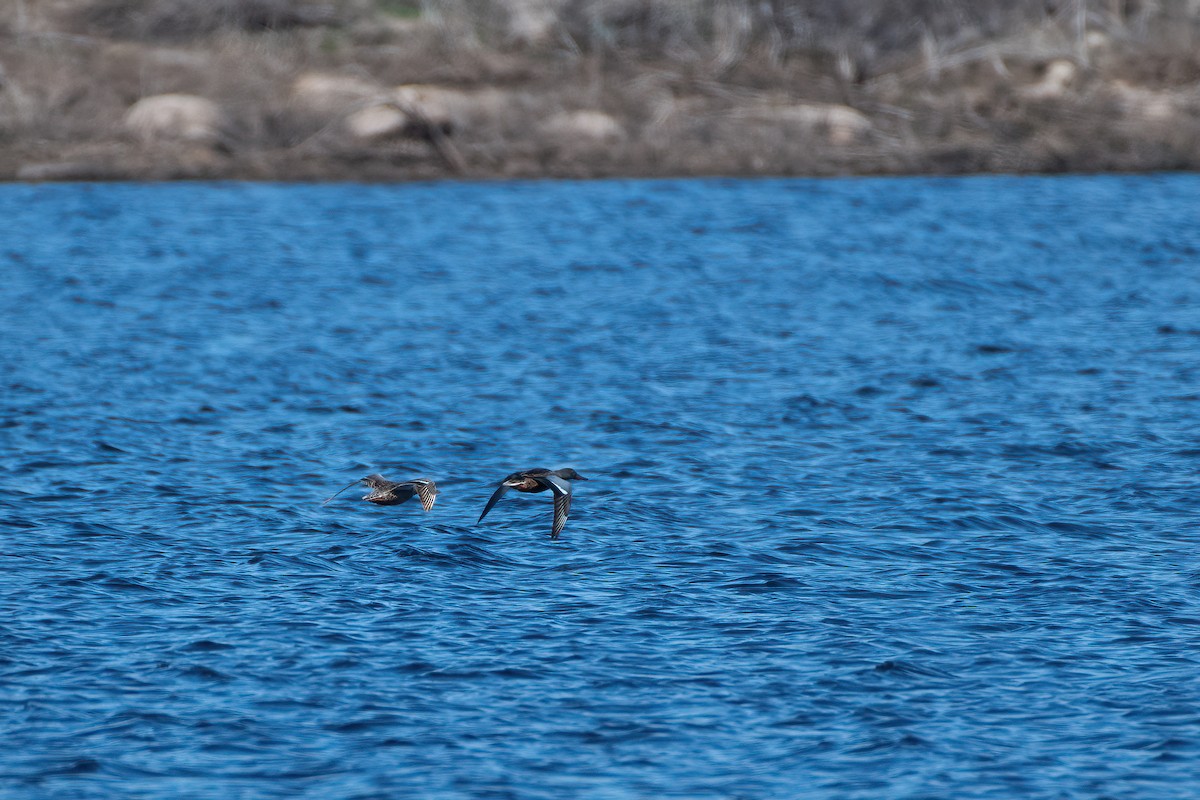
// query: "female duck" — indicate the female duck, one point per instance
point(393, 493)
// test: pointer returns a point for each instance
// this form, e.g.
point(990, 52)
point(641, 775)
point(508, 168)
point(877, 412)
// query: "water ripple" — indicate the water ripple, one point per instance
point(892, 489)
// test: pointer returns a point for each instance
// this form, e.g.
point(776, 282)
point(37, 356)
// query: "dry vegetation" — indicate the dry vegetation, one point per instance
point(396, 89)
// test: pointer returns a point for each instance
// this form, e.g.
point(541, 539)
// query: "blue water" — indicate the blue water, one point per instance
point(894, 490)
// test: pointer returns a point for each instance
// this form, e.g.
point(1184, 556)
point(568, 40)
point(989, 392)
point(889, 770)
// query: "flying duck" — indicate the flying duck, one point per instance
point(392, 493)
point(539, 480)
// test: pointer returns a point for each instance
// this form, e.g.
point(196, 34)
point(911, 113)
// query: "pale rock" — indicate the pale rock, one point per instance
point(179, 117)
point(841, 125)
point(1145, 104)
point(1058, 77)
point(452, 109)
point(585, 125)
point(328, 95)
point(435, 105)
point(375, 122)
point(532, 21)
point(1097, 40)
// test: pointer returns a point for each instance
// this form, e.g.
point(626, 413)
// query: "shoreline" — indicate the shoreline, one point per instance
point(540, 179)
point(362, 95)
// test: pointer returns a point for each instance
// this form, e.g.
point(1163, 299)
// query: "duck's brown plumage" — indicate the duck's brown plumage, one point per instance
point(393, 493)
point(539, 480)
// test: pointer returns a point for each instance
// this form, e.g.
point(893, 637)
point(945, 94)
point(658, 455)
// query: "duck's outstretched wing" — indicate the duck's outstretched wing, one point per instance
point(562, 501)
point(344, 488)
point(496, 495)
point(377, 481)
point(427, 491)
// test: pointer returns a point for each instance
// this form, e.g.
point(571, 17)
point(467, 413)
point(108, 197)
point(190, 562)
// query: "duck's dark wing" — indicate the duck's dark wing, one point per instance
point(562, 501)
point(427, 491)
point(344, 488)
point(562, 509)
point(496, 495)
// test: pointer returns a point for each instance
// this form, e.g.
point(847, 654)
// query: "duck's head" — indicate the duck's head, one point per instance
point(570, 474)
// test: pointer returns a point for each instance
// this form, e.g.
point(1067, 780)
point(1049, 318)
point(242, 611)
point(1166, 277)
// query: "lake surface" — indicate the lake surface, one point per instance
point(893, 489)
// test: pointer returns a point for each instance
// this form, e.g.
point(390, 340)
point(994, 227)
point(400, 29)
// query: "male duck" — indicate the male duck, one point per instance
point(539, 480)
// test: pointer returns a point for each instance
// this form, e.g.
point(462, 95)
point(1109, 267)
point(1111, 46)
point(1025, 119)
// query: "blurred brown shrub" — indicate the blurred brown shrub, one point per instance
point(179, 20)
point(606, 87)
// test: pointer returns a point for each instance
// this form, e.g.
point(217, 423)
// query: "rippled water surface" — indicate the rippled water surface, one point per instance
point(893, 490)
